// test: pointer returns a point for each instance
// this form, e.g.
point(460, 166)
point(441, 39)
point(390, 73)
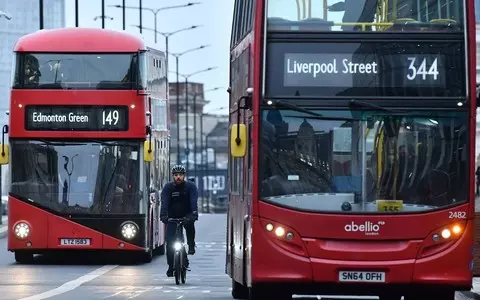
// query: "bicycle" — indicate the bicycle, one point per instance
point(180, 260)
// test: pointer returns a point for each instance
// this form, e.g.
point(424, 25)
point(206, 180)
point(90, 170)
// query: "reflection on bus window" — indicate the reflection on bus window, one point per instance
point(78, 177)
point(365, 15)
point(77, 71)
point(318, 165)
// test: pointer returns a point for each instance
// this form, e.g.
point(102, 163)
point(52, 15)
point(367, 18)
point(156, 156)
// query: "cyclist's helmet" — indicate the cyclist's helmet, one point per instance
point(178, 169)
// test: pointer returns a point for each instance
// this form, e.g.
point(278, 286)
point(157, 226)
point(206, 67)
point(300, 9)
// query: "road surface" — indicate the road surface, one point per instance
point(100, 277)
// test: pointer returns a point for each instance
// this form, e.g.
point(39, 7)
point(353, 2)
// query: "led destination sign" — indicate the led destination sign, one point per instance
point(363, 70)
point(77, 118)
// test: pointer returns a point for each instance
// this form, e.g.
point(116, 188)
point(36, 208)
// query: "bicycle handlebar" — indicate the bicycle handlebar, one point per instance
point(177, 220)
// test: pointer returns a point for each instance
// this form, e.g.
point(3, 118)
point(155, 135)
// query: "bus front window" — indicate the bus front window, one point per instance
point(312, 164)
point(102, 71)
point(77, 177)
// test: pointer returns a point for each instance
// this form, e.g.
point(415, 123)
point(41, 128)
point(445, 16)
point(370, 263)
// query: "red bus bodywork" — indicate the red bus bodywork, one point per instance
point(261, 263)
point(48, 226)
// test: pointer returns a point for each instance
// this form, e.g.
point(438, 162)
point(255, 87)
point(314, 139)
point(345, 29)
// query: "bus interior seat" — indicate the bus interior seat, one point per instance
point(405, 24)
point(443, 25)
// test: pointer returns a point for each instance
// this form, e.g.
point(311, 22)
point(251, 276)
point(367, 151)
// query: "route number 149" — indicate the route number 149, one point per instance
point(415, 69)
point(110, 117)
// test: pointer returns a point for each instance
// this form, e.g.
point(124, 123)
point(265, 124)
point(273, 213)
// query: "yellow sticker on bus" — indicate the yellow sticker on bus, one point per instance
point(389, 205)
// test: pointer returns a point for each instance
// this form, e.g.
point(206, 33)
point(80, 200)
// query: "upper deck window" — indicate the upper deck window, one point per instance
point(365, 15)
point(75, 71)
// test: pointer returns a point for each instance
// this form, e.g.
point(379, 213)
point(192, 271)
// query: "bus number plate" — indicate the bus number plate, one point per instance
point(75, 242)
point(348, 276)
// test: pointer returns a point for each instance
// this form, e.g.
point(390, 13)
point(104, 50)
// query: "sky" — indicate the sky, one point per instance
point(214, 16)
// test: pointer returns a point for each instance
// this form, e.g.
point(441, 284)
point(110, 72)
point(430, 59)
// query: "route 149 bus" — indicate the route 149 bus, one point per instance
point(88, 157)
point(352, 143)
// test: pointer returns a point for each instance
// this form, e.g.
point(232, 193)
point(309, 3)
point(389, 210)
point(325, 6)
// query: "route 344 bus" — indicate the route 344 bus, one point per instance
point(88, 143)
point(352, 143)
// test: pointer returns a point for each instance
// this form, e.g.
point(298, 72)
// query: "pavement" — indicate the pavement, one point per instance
point(94, 276)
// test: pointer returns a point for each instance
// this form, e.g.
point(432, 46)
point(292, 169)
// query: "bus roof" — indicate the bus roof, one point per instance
point(79, 40)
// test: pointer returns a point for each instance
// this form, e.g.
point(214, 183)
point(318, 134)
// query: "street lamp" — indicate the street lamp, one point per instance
point(177, 57)
point(186, 98)
point(5, 15)
point(153, 11)
point(103, 19)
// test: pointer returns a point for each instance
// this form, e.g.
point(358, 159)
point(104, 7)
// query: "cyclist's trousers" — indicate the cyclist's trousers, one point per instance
point(170, 237)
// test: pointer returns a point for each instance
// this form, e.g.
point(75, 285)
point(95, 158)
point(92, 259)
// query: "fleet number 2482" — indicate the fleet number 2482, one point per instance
point(457, 215)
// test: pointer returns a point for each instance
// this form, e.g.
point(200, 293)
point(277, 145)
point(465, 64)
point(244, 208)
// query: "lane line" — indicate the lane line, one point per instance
point(73, 284)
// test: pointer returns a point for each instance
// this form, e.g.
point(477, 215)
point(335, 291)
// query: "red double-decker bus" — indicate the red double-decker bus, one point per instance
point(352, 146)
point(88, 143)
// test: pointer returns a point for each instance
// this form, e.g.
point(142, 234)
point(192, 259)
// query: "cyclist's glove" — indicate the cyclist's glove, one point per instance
point(193, 216)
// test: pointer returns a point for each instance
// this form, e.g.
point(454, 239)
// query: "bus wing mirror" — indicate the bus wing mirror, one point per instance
point(238, 140)
point(148, 151)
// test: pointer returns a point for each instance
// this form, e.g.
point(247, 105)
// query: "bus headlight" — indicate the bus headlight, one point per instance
point(129, 230)
point(22, 230)
point(177, 246)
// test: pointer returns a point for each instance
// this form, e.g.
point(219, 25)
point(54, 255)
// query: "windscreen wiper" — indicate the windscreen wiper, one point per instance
point(370, 105)
point(292, 107)
point(313, 115)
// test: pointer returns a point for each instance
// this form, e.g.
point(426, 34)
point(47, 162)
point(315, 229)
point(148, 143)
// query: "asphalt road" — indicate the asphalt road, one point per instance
point(103, 277)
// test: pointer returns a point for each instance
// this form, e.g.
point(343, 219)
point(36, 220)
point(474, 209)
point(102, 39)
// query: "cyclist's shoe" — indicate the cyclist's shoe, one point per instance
point(170, 272)
point(191, 249)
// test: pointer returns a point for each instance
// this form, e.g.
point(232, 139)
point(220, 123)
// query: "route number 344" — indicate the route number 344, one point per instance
point(416, 69)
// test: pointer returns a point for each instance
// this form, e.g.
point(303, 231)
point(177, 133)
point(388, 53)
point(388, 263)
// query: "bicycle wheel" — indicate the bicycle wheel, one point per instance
point(177, 268)
point(184, 275)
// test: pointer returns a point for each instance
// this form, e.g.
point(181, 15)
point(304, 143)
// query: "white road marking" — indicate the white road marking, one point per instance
point(73, 284)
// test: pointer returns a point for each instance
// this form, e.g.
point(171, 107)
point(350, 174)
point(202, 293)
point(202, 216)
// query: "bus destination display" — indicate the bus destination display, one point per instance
point(77, 118)
point(363, 70)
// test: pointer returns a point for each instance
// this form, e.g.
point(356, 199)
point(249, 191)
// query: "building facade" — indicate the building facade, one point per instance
point(23, 18)
point(17, 18)
point(195, 125)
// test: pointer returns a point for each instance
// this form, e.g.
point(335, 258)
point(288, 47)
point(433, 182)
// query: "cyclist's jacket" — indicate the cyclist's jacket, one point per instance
point(179, 200)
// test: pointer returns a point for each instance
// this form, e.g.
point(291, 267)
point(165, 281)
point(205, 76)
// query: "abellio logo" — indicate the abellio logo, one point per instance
point(369, 228)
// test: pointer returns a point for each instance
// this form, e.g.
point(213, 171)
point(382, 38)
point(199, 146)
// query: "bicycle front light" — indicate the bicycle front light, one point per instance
point(177, 246)
point(129, 230)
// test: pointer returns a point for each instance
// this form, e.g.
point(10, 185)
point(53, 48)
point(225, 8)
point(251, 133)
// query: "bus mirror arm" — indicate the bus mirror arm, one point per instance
point(148, 131)
point(247, 104)
point(4, 132)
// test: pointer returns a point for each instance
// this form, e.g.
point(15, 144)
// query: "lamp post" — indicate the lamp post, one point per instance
point(76, 13)
point(186, 102)
point(8, 17)
point(177, 84)
point(40, 2)
point(153, 11)
point(201, 124)
point(167, 35)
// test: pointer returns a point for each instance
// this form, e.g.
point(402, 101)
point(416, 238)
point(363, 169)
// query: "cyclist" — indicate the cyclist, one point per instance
point(179, 199)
